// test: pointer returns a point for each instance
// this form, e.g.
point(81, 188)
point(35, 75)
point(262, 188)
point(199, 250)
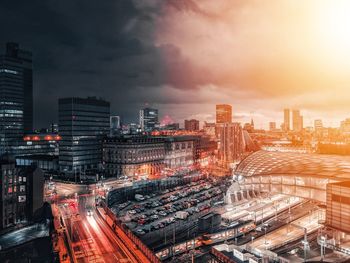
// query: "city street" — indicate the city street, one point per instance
point(91, 238)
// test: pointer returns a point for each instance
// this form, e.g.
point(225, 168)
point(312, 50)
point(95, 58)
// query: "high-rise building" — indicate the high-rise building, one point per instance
point(231, 142)
point(114, 124)
point(83, 122)
point(272, 126)
point(297, 121)
point(286, 123)
point(192, 125)
point(148, 119)
point(16, 96)
point(223, 113)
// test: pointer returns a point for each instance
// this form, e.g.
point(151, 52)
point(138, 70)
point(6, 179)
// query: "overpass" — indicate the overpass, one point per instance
point(298, 174)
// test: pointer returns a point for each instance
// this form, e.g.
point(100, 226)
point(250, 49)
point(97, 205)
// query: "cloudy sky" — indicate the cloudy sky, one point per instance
point(184, 56)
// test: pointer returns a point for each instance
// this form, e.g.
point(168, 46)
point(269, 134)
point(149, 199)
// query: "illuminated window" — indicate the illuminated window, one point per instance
point(21, 198)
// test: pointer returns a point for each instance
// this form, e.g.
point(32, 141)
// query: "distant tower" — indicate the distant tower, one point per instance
point(286, 123)
point(297, 121)
point(223, 113)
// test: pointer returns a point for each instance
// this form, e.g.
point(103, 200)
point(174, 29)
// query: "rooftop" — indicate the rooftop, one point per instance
point(264, 163)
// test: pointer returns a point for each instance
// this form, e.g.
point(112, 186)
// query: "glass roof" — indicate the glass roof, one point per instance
point(279, 163)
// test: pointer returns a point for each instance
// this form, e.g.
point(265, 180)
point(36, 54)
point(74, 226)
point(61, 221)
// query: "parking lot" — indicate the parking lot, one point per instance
point(167, 209)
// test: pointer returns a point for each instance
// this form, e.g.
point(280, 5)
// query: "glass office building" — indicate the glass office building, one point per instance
point(16, 96)
point(83, 122)
point(148, 119)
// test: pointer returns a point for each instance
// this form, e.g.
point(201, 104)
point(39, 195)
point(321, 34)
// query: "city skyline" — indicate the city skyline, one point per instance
point(150, 131)
point(145, 53)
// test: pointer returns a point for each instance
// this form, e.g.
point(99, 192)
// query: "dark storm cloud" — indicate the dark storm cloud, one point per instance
point(90, 48)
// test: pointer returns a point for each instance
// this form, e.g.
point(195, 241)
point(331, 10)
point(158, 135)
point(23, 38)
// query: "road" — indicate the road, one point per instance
point(91, 238)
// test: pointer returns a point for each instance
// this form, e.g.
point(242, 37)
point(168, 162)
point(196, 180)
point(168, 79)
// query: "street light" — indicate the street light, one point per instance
point(323, 240)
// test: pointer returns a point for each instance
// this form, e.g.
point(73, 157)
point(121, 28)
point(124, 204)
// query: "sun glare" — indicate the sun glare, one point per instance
point(333, 28)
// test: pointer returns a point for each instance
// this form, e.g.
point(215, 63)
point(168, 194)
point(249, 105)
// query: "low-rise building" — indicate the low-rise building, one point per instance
point(21, 193)
point(133, 156)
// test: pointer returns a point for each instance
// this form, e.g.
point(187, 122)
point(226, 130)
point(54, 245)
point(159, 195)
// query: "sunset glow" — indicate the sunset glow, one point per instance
point(283, 52)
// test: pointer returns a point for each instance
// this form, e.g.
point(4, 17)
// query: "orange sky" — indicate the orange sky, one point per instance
point(261, 56)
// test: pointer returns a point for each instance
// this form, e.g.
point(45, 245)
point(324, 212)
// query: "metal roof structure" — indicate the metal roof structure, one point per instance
point(262, 163)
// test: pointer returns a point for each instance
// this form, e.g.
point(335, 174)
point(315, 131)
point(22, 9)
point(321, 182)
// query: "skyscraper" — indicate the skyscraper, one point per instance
point(82, 123)
point(223, 113)
point(231, 143)
point(148, 119)
point(286, 123)
point(297, 121)
point(192, 125)
point(16, 96)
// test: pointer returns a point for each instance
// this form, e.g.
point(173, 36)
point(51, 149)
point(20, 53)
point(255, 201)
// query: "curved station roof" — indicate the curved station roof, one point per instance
point(266, 163)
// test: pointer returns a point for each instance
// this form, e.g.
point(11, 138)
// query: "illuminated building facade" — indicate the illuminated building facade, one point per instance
point(299, 174)
point(192, 125)
point(179, 151)
point(83, 122)
point(39, 143)
point(21, 193)
point(223, 113)
point(16, 96)
point(134, 156)
point(148, 119)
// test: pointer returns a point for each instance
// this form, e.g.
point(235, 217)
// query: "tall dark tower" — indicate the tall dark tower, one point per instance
point(16, 96)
